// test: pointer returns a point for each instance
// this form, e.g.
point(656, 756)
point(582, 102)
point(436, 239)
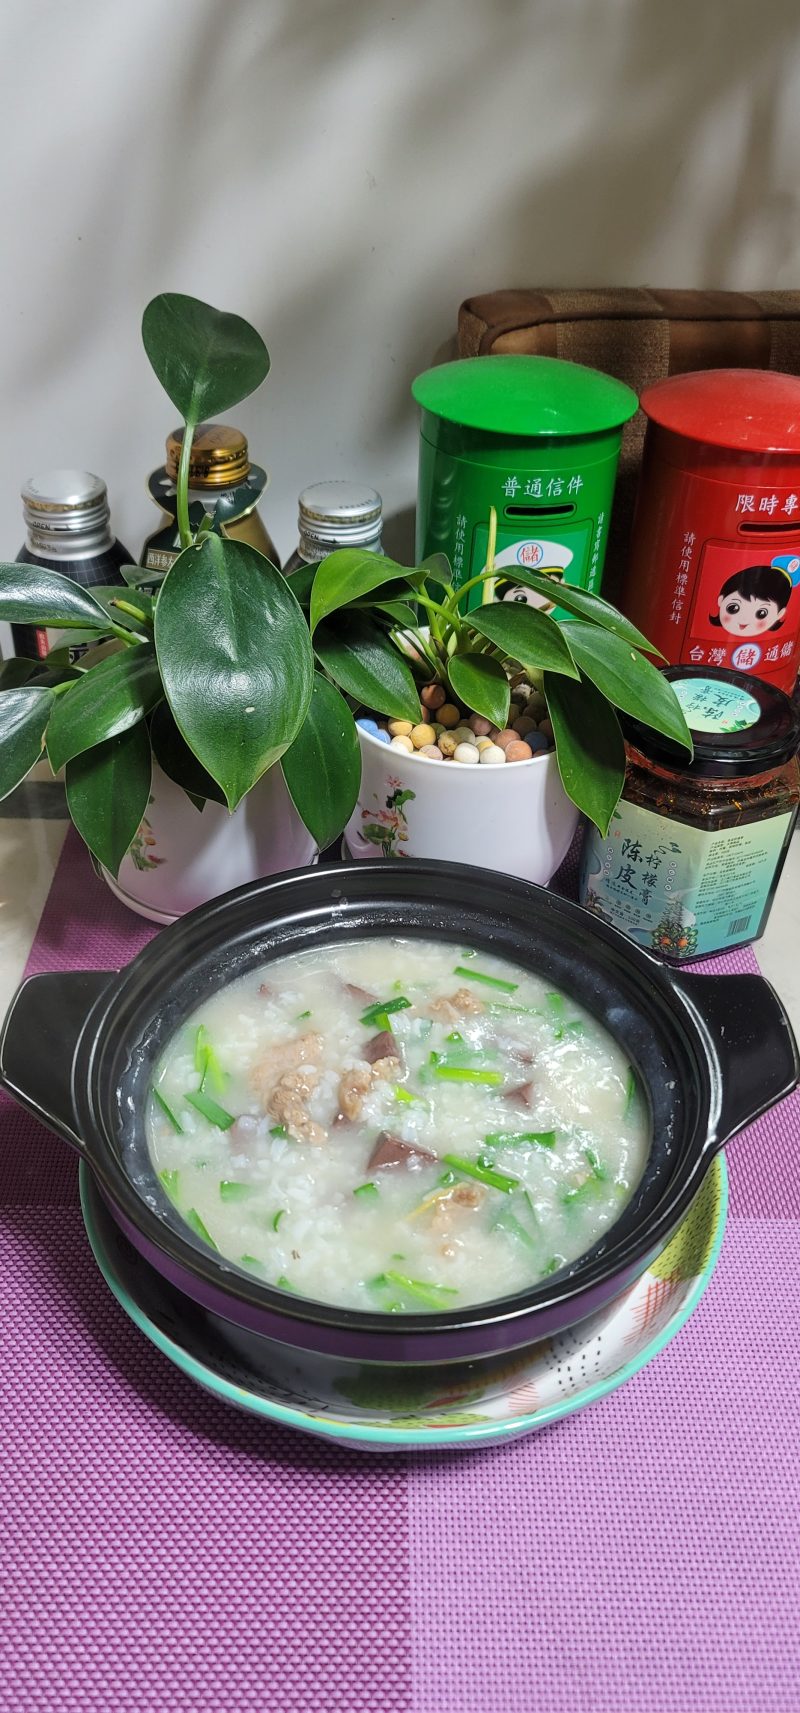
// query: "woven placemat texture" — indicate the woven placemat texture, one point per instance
point(160, 1551)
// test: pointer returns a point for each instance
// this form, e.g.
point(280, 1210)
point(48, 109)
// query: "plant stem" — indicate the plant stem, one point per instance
point(182, 486)
point(133, 612)
point(458, 594)
point(489, 585)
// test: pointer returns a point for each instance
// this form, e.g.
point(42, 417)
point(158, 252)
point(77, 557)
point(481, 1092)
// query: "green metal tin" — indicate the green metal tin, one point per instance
point(534, 437)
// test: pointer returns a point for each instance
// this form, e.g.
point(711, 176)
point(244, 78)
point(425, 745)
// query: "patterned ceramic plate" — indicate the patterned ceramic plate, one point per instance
point(390, 1408)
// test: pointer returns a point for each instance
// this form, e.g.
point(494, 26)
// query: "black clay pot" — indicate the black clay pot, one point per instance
point(711, 1053)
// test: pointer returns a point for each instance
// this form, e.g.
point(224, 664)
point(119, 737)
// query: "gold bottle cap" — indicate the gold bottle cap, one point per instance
point(218, 459)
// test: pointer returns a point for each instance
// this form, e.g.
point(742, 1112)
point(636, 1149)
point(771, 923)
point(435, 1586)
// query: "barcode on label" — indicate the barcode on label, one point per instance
point(738, 925)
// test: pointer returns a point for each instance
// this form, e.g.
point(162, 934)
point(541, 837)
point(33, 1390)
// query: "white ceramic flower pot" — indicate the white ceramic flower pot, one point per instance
point(516, 818)
point(180, 857)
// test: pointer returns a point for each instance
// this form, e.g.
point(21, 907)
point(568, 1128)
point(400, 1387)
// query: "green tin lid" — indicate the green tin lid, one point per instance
point(525, 396)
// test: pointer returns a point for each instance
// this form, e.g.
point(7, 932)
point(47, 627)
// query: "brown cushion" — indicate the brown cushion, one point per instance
point(639, 334)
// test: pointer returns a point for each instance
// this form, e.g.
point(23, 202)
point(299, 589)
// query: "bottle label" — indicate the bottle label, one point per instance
point(711, 705)
point(679, 890)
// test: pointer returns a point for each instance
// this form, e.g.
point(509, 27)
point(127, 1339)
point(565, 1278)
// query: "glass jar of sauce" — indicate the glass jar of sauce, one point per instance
point(694, 852)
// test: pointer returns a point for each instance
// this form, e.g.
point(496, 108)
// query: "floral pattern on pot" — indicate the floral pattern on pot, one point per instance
point(388, 828)
point(142, 848)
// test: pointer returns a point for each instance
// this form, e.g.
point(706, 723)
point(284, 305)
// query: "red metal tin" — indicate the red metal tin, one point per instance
point(714, 571)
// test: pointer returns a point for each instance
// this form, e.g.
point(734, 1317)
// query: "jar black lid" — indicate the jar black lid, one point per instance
point(740, 725)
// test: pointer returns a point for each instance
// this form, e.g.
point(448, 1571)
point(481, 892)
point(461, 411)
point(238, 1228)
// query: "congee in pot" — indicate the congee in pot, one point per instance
point(396, 1125)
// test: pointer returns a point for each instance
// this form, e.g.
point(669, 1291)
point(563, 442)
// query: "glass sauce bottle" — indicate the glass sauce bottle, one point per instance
point(68, 530)
point(336, 514)
point(695, 849)
point(220, 476)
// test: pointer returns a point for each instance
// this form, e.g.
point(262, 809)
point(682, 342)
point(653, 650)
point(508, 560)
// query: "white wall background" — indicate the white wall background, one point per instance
point(343, 173)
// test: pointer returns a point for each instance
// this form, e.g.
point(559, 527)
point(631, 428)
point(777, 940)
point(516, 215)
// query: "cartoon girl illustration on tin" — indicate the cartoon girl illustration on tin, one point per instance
point(505, 589)
point(755, 599)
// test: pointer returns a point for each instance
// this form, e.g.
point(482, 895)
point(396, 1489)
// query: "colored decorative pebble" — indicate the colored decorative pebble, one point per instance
point(421, 735)
point(463, 734)
point(449, 715)
point(518, 751)
point(432, 751)
point(538, 743)
point(484, 743)
point(479, 725)
point(536, 706)
point(382, 735)
point(447, 745)
point(466, 752)
point(524, 725)
point(492, 755)
point(546, 727)
point(433, 696)
point(506, 737)
point(401, 728)
point(402, 743)
point(368, 726)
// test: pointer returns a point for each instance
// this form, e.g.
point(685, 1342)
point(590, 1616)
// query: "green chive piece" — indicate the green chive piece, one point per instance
point(598, 1169)
point(469, 954)
point(507, 1222)
point(397, 1256)
point(167, 1110)
point(302, 1015)
point(375, 1014)
point(515, 1010)
point(170, 1182)
point(405, 1095)
point(208, 1108)
point(368, 1191)
point(466, 1074)
point(277, 1217)
point(280, 1130)
point(434, 1296)
point(576, 1027)
point(446, 1179)
point(512, 1139)
point(531, 1209)
point(484, 1174)
point(424, 1027)
point(555, 1005)
point(231, 1190)
point(553, 1265)
point(579, 1192)
point(630, 1092)
point(454, 1036)
point(488, 980)
point(201, 1044)
point(284, 1285)
point(206, 1062)
point(193, 1219)
point(250, 1261)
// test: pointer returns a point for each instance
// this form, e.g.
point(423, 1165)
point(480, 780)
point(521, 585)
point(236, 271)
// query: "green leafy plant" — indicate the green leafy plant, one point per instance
point(230, 668)
point(214, 675)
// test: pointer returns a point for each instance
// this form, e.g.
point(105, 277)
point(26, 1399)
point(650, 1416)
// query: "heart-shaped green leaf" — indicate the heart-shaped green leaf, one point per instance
point(24, 714)
point(205, 359)
point(584, 605)
point(235, 658)
point(322, 768)
point(108, 790)
point(366, 665)
point(347, 576)
point(31, 595)
point(590, 748)
point(481, 684)
point(628, 680)
point(525, 635)
point(175, 758)
point(106, 700)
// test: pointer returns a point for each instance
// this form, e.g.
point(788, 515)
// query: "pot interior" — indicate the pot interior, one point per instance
point(628, 992)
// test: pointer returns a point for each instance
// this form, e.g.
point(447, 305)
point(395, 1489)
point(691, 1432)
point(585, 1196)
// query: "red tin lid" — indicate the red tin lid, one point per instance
point(746, 410)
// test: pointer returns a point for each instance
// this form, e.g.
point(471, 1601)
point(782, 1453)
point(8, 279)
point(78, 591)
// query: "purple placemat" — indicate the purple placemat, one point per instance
point(160, 1551)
